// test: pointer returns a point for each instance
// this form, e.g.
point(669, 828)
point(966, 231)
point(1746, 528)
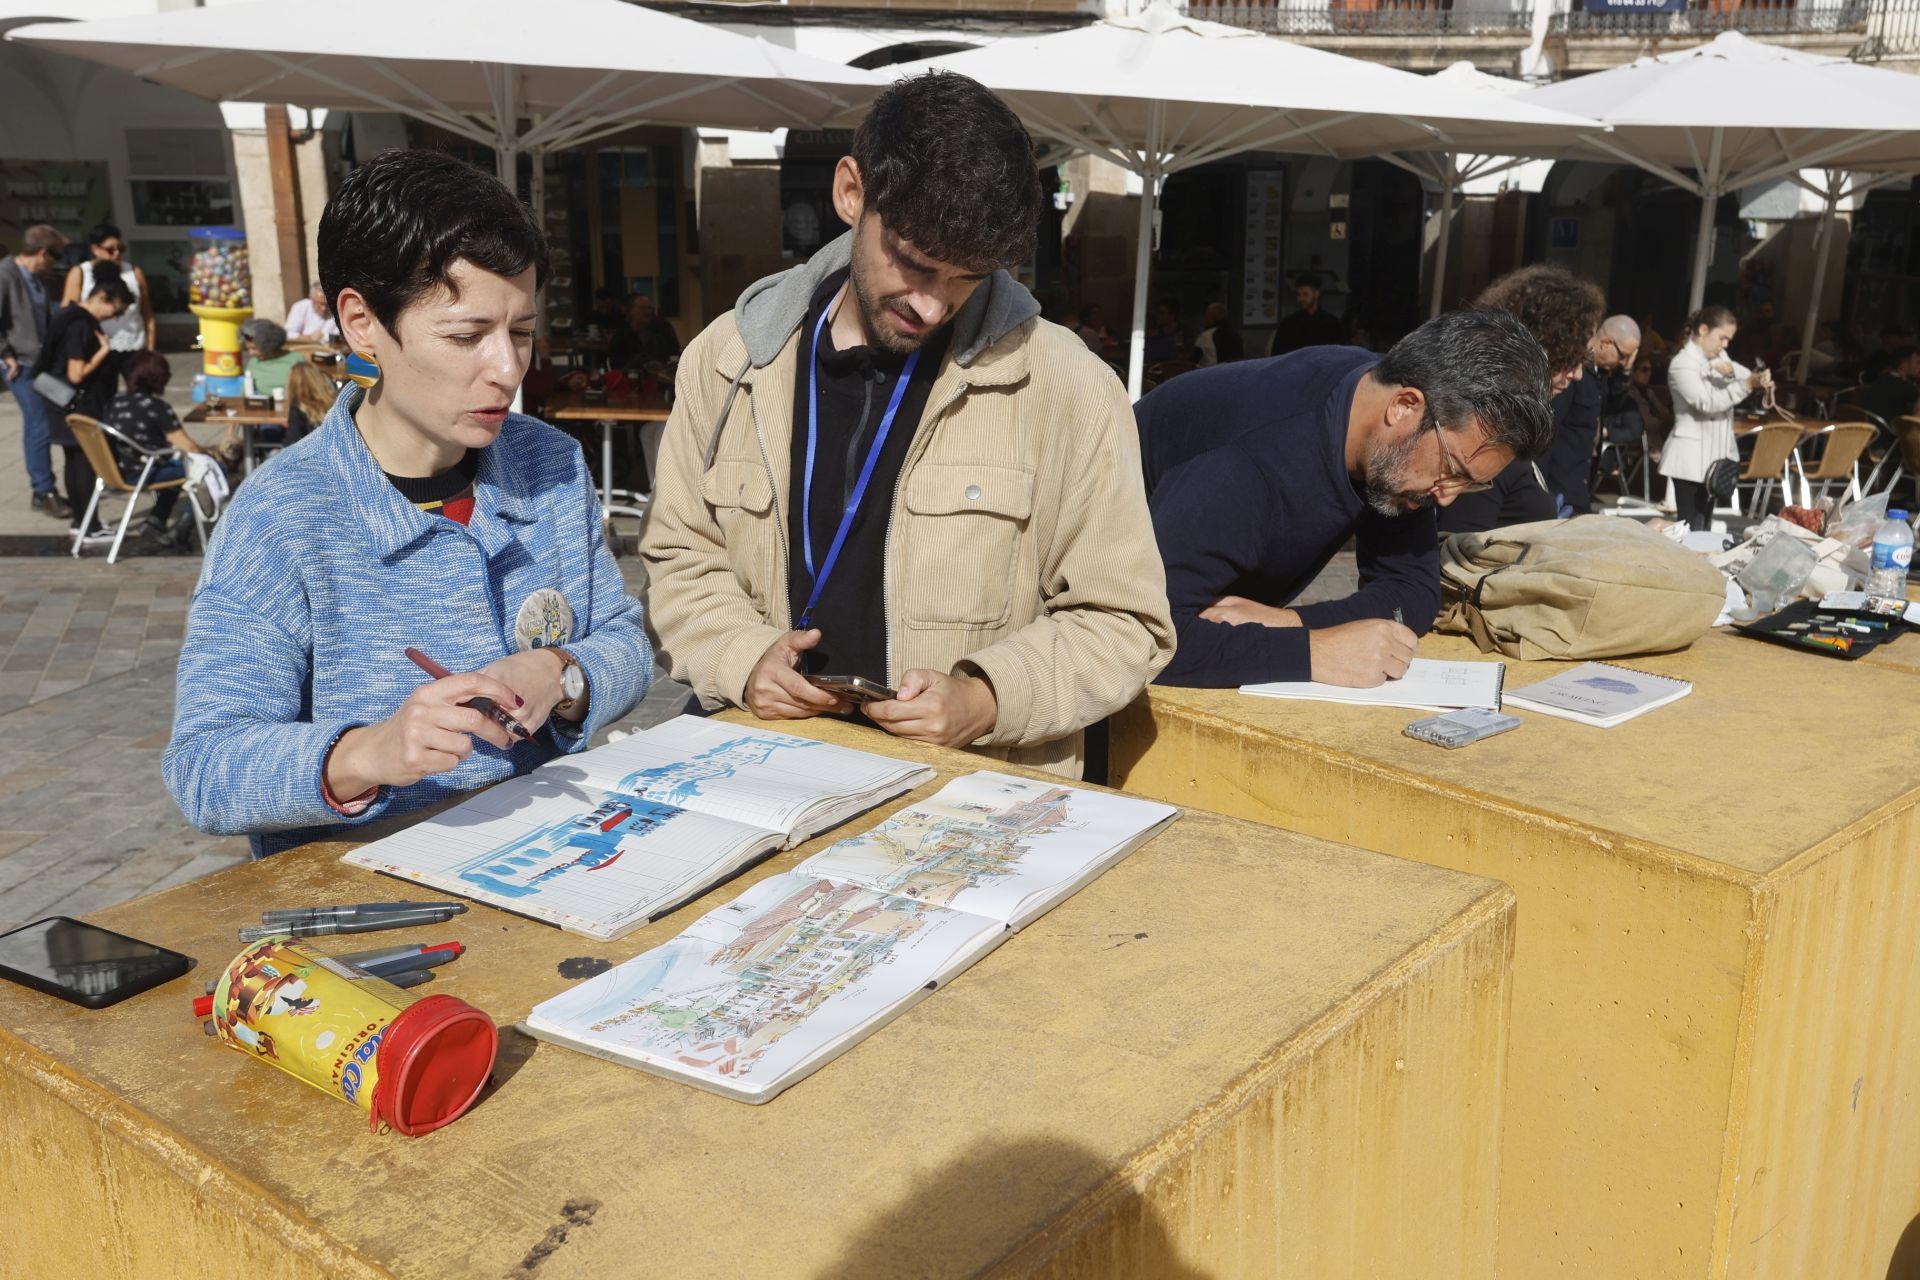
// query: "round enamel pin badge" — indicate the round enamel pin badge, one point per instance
point(545, 619)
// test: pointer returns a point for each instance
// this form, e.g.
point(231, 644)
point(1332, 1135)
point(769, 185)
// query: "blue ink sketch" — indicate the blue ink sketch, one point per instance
point(1607, 684)
point(682, 780)
point(587, 842)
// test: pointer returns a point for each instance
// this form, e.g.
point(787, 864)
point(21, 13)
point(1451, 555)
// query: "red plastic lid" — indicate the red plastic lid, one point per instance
point(434, 1059)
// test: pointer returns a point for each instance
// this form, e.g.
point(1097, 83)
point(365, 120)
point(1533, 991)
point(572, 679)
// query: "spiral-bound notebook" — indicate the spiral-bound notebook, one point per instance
point(1599, 693)
point(1428, 685)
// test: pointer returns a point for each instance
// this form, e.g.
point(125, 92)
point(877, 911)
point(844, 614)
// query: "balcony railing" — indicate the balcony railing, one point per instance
point(1373, 17)
point(1708, 18)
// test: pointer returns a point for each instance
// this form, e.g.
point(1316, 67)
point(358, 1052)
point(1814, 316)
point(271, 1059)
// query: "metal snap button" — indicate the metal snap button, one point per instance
point(973, 493)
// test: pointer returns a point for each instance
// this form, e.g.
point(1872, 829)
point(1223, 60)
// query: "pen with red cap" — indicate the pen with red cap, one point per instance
point(485, 706)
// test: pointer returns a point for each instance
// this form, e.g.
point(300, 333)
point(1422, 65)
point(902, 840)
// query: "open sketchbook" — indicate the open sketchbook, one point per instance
point(1437, 686)
point(759, 993)
point(603, 841)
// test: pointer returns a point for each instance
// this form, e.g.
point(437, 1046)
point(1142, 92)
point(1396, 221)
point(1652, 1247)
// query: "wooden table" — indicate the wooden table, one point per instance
point(1240, 1051)
point(1717, 991)
point(647, 412)
point(245, 419)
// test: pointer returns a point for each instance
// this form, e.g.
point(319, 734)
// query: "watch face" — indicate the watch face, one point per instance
point(573, 683)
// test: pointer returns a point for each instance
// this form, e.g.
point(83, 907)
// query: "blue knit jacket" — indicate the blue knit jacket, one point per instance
point(321, 574)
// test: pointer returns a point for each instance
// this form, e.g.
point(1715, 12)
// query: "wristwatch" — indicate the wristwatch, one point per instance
point(573, 680)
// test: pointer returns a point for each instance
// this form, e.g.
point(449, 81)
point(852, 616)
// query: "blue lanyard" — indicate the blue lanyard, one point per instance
point(825, 571)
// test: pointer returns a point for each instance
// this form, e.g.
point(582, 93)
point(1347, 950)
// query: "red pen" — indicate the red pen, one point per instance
point(485, 706)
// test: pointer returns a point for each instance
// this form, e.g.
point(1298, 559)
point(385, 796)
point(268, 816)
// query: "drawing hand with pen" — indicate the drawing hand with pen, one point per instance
point(432, 732)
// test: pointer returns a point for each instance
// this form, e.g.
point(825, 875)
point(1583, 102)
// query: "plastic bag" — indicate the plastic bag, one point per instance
point(1857, 522)
point(1777, 573)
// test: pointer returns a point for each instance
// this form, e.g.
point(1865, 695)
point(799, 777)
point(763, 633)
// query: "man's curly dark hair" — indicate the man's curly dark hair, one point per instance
point(949, 168)
point(1561, 310)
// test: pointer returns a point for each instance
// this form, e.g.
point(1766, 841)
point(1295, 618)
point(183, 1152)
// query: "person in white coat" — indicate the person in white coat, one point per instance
point(1707, 387)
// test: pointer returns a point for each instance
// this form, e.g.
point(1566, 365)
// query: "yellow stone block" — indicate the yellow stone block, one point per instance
point(1239, 1052)
point(1717, 989)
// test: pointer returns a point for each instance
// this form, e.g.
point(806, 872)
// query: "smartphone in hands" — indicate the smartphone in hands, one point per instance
point(855, 689)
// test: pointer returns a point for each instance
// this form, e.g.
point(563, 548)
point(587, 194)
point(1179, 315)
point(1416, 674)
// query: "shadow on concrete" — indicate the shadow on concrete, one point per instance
point(1905, 1263)
point(933, 1228)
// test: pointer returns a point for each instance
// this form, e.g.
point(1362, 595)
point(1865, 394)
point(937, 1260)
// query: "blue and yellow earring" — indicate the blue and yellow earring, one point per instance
point(361, 371)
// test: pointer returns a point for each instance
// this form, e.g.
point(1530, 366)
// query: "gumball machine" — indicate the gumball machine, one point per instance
point(220, 292)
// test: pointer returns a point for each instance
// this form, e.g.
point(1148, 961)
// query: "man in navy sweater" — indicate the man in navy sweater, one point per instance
point(1258, 472)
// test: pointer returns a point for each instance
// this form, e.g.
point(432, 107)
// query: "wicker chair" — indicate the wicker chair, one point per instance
point(92, 437)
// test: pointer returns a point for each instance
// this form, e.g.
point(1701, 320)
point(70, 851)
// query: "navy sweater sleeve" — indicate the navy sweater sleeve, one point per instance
point(1211, 522)
point(1399, 562)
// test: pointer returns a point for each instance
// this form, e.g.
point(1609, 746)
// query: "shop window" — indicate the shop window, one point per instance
point(178, 177)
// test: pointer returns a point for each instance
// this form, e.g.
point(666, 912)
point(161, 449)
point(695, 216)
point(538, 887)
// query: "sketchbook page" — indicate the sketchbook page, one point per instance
point(759, 992)
point(751, 775)
point(1428, 684)
point(590, 861)
point(992, 844)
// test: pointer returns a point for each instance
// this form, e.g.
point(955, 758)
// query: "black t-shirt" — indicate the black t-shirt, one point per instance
point(855, 386)
point(1303, 329)
point(75, 335)
point(143, 419)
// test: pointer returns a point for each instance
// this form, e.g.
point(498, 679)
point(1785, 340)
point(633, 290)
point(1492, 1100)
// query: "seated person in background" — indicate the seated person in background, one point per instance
point(1219, 342)
point(268, 360)
point(1891, 396)
point(1309, 324)
point(421, 512)
point(1093, 331)
point(312, 319)
point(1650, 399)
point(1893, 339)
point(1258, 472)
point(1164, 339)
point(646, 339)
point(143, 417)
point(310, 397)
point(1562, 312)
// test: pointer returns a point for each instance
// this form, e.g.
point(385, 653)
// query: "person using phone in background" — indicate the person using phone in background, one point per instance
point(885, 464)
point(422, 512)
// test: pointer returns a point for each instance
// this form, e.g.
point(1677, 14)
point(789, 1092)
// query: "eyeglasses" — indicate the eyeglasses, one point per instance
point(1454, 476)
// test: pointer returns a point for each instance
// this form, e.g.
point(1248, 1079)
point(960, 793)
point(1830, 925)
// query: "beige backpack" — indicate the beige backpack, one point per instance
point(1590, 587)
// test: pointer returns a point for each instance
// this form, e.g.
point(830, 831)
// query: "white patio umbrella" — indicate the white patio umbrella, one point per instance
point(1454, 169)
point(579, 70)
point(1737, 112)
point(1158, 93)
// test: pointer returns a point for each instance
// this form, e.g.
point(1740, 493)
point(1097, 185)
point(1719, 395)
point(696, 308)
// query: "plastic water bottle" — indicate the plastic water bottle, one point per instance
point(1892, 554)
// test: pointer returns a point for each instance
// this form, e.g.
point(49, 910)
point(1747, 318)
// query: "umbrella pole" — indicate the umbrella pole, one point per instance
point(1709, 204)
point(1142, 264)
point(1150, 179)
point(1446, 234)
point(1822, 239)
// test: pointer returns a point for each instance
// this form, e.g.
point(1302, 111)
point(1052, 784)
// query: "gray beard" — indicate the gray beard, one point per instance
point(1385, 474)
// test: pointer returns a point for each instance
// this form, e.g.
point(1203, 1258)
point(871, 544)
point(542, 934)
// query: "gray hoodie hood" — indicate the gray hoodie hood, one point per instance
point(771, 309)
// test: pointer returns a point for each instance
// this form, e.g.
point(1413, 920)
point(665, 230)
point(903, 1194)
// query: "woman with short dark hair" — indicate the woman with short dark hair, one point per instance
point(136, 328)
point(76, 352)
point(422, 512)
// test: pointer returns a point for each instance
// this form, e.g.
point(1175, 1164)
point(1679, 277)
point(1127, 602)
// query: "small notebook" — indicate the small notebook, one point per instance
point(1599, 693)
point(603, 841)
point(804, 965)
point(1428, 685)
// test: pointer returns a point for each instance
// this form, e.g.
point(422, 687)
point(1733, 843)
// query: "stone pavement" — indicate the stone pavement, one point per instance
point(87, 658)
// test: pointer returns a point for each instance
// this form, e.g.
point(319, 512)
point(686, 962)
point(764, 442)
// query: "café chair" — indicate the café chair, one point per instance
point(1841, 446)
point(92, 437)
point(1774, 446)
point(1905, 456)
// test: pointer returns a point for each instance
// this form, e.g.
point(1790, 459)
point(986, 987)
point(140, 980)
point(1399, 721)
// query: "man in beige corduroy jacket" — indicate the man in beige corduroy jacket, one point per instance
point(1019, 595)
